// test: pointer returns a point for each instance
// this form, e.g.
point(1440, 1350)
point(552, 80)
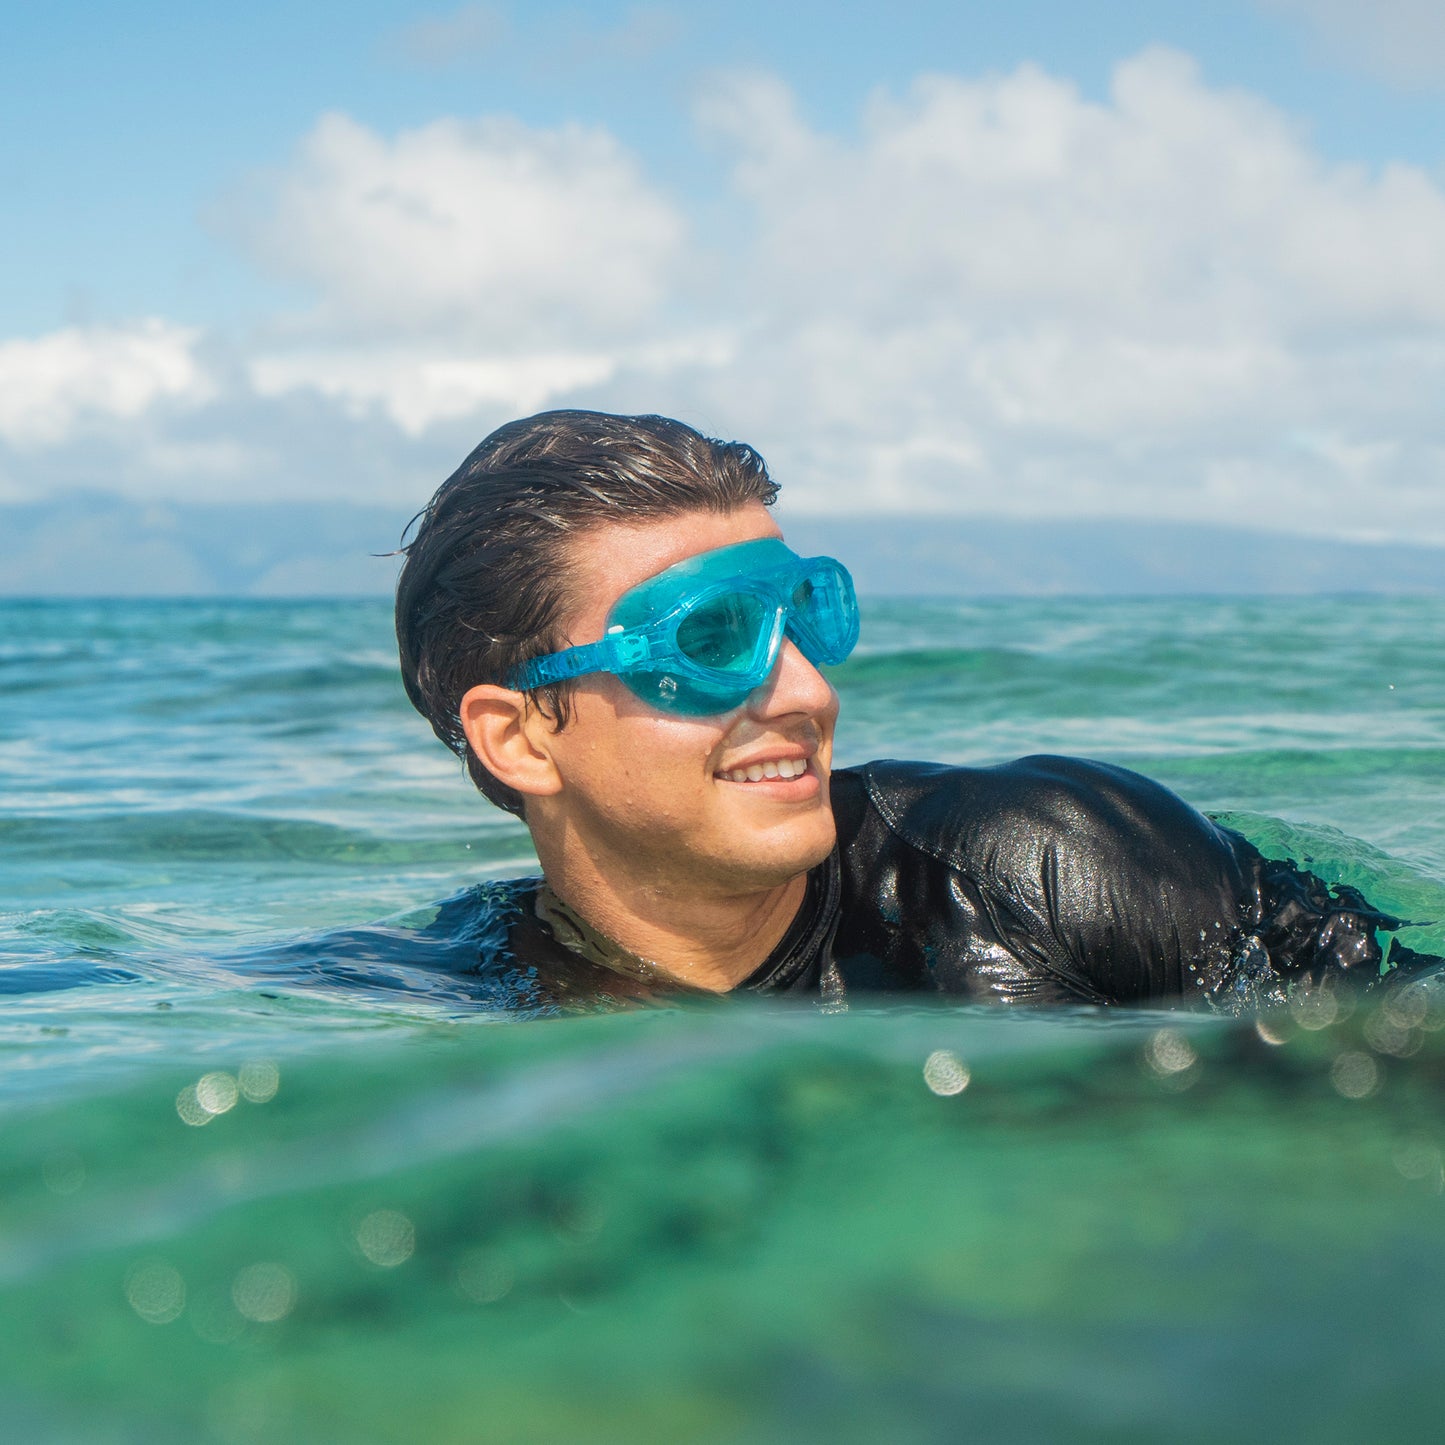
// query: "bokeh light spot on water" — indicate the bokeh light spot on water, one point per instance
point(211, 1095)
point(217, 1093)
point(1420, 1159)
point(386, 1237)
point(63, 1172)
point(945, 1073)
point(264, 1292)
point(156, 1291)
point(1386, 1034)
point(1354, 1075)
point(1171, 1058)
point(484, 1277)
point(1314, 1008)
point(1407, 1008)
point(188, 1106)
point(1418, 1005)
point(259, 1079)
point(1432, 989)
point(1271, 1032)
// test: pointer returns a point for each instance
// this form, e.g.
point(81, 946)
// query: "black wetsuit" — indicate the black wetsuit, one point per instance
point(1048, 880)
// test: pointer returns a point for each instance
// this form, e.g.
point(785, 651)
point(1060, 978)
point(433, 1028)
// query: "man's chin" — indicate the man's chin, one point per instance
point(786, 860)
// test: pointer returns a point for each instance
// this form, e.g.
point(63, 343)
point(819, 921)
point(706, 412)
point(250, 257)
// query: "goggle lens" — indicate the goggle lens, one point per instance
point(823, 618)
point(724, 633)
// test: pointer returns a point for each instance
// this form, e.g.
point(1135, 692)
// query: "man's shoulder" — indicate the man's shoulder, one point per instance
point(928, 802)
point(972, 815)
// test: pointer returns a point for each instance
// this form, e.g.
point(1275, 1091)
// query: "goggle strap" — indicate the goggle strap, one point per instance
point(617, 652)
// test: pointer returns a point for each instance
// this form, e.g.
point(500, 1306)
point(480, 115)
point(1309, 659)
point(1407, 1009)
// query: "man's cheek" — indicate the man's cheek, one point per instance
point(655, 802)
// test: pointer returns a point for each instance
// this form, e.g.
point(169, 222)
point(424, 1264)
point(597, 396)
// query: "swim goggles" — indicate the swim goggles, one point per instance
point(699, 637)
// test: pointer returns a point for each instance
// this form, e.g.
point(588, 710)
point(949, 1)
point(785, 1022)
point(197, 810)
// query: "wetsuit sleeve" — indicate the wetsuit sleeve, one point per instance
point(1070, 878)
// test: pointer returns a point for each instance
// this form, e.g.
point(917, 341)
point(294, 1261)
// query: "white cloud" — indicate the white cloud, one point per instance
point(1175, 212)
point(994, 296)
point(52, 384)
point(461, 267)
point(1116, 307)
point(486, 229)
point(419, 388)
point(1400, 40)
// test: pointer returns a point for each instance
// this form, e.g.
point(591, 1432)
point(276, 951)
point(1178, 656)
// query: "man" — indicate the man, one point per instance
point(598, 613)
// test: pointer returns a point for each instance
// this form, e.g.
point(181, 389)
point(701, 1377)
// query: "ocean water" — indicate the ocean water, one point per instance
point(240, 1211)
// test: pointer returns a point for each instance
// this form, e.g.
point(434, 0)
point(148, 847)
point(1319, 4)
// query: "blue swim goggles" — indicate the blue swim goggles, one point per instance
point(699, 637)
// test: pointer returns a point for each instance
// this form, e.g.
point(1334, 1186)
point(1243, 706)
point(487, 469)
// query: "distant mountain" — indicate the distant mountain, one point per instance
point(105, 546)
point(991, 555)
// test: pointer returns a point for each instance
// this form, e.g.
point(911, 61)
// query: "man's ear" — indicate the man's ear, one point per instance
point(510, 736)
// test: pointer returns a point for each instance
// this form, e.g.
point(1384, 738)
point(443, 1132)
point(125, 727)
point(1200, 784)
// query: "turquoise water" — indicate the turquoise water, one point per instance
point(243, 1212)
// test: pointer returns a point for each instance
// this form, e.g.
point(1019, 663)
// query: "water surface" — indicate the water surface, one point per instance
point(237, 1212)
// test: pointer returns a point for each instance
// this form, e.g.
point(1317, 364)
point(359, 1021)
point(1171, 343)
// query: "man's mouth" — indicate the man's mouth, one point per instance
point(785, 768)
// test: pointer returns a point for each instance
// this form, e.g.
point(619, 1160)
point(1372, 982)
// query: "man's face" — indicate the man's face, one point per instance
point(660, 800)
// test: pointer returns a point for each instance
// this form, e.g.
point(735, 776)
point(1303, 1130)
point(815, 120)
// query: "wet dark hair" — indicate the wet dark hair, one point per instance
point(485, 585)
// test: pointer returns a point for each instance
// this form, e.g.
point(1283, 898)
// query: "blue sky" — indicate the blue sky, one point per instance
point(1141, 260)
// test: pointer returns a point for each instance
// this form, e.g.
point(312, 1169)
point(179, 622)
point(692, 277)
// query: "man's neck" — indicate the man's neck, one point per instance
point(708, 943)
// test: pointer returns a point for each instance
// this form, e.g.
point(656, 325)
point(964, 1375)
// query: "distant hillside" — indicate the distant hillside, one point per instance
point(92, 546)
point(987, 555)
point(105, 546)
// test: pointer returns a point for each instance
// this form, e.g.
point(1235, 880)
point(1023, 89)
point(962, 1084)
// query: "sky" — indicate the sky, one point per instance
point(1044, 260)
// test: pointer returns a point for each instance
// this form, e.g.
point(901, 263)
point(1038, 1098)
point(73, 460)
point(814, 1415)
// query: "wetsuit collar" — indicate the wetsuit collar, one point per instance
point(803, 959)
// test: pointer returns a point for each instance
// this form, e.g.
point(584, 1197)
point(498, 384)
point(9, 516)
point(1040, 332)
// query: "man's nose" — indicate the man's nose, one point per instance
point(793, 686)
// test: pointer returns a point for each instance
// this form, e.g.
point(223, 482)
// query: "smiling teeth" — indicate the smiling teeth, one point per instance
point(785, 768)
